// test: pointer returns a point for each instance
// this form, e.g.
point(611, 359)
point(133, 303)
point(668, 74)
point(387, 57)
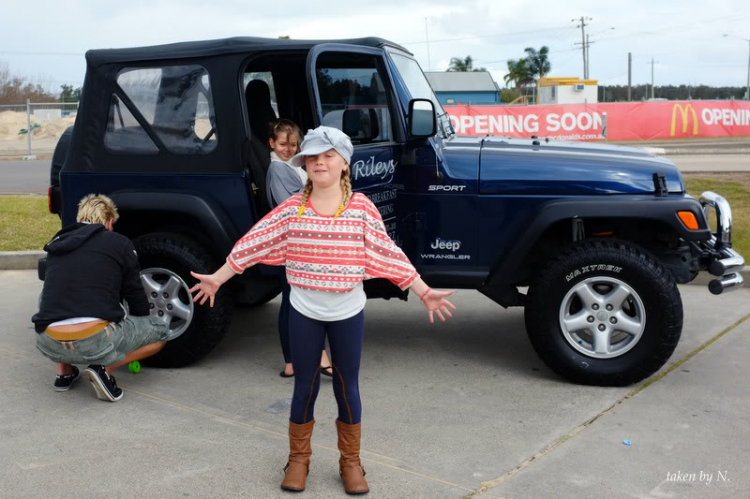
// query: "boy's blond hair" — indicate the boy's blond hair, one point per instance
point(97, 209)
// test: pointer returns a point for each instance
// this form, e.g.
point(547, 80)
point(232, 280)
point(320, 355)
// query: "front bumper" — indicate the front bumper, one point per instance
point(717, 255)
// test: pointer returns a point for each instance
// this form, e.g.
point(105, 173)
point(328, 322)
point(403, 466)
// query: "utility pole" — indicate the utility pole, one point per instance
point(583, 43)
point(588, 56)
point(630, 73)
point(652, 77)
point(427, 37)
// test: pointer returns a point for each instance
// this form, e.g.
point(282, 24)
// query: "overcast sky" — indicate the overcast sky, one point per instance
point(45, 40)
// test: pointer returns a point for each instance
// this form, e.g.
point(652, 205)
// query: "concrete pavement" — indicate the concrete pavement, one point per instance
point(450, 410)
point(687, 432)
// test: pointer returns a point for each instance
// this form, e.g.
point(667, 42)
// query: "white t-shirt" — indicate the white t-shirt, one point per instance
point(74, 320)
point(328, 306)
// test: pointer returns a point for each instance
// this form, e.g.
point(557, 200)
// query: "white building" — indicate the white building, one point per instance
point(567, 90)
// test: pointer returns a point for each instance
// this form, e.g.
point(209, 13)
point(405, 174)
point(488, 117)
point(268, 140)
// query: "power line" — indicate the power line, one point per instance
point(484, 36)
point(21, 52)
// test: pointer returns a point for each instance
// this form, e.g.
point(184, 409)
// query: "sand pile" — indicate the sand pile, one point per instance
point(11, 122)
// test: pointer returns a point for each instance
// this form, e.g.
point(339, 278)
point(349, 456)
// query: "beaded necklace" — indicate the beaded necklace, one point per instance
point(335, 215)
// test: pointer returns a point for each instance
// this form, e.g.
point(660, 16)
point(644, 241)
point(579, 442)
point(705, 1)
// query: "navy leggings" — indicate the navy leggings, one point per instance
point(284, 309)
point(307, 337)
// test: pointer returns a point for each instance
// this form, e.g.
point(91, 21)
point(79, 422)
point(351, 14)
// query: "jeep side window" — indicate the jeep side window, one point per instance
point(419, 87)
point(124, 134)
point(354, 99)
point(175, 101)
point(267, 78)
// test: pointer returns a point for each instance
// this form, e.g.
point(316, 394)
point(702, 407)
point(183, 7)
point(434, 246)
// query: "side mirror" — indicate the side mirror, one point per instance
point(422, 118)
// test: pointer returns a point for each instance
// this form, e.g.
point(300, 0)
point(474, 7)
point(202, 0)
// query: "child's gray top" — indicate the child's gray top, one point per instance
point(281, 183)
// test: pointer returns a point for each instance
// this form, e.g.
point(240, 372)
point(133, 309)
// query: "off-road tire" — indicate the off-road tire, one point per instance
point(208, 326)
point(638, 269)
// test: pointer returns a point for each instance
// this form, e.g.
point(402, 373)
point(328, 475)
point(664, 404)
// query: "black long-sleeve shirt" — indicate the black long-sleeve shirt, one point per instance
point(90, 270)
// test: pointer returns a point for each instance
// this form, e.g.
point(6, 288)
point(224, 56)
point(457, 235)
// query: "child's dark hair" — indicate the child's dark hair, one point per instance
point(284, 126)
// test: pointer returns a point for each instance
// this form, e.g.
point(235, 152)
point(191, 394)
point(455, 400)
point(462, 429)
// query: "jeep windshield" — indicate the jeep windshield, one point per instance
point(419, 88)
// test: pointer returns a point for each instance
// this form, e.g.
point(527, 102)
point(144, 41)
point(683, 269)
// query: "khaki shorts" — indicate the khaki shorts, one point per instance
point(107, 347)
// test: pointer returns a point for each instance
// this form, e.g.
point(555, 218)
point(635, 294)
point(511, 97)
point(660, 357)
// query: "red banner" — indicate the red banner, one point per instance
point(624, 121)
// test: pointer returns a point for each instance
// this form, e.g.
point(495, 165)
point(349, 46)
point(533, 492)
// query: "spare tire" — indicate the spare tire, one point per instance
point(58, 158)
point(201, 327)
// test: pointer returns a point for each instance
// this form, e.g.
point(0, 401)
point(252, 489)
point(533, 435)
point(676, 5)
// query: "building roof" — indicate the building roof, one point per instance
point(456, 81)
point(554, 81)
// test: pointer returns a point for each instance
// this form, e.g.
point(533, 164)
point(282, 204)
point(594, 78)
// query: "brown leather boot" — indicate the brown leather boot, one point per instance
point(350, 467)
point(300, 450)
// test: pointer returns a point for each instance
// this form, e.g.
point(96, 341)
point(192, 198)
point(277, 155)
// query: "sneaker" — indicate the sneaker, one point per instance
point(63, 382)
point(104, 385)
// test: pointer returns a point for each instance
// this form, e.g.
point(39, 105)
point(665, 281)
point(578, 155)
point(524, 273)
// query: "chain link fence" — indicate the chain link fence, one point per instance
point(33, 129)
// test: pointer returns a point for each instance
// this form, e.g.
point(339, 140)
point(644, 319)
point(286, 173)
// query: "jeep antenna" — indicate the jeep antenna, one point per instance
point(427, 38)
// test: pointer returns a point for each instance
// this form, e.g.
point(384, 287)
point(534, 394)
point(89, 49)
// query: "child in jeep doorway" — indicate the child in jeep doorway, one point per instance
point(284, 180)
point(329, 240)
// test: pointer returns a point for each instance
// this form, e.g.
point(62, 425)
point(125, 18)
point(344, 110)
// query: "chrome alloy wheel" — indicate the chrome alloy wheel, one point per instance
point(169, 299)
point(602, 317)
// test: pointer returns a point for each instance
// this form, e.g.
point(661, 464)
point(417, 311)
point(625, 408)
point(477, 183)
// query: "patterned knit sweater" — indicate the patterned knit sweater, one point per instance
point(325, 253)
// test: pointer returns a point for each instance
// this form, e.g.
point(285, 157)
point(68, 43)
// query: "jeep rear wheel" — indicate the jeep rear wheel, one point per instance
point(604, 312)
point(166, 261)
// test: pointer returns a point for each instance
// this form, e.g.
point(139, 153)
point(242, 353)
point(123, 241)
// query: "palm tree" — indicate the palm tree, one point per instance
point(463, 65)
point(538, 62)
point(519, 73)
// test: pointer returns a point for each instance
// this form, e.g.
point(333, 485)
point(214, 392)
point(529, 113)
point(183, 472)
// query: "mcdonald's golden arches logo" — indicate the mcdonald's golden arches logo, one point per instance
point(688, 108)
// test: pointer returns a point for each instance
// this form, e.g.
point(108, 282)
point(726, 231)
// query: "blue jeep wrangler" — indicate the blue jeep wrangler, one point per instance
point(590, 239)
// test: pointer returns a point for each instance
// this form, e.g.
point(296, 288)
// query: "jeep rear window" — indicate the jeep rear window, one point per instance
point(174, 101)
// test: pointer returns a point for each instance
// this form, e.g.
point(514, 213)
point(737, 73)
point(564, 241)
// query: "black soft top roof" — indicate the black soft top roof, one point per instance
point(207, 48)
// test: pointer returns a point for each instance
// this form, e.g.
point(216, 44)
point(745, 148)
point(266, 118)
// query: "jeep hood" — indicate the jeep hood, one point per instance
point(526, 166)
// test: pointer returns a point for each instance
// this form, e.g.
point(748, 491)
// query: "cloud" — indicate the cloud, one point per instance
point(684, 36)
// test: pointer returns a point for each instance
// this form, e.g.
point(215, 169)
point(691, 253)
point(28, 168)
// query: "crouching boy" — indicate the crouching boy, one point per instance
point(90, 270)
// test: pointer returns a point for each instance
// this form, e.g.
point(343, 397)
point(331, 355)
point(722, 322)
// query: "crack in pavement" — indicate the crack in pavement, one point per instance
point(489, 484)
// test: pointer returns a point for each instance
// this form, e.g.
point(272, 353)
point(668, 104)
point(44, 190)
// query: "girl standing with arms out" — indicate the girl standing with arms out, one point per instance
point(329, 240)
point(283, 181)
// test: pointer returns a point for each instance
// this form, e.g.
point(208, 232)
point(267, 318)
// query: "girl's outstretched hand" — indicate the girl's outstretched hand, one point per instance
point(437, 304)
point(207, 288)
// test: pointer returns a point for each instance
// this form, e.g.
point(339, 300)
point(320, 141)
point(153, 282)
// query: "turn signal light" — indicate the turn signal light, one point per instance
point(688, 218)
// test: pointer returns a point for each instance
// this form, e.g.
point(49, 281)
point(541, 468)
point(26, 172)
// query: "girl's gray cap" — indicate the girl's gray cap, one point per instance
point(322, 139)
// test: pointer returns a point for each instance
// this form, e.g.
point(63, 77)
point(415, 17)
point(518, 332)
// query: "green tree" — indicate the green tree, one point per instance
point(466, 65)
point(538, 61)
point(519, 73)
point(69, 94)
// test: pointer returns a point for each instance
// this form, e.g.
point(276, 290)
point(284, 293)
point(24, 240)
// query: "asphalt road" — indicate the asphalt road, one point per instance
point(455, 410)
point(735, 145)
point(32, 177)
point(24, 177)
point(715, 163)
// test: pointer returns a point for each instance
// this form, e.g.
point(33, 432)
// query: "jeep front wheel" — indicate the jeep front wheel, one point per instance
point(604, 312)
point(166, 261)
